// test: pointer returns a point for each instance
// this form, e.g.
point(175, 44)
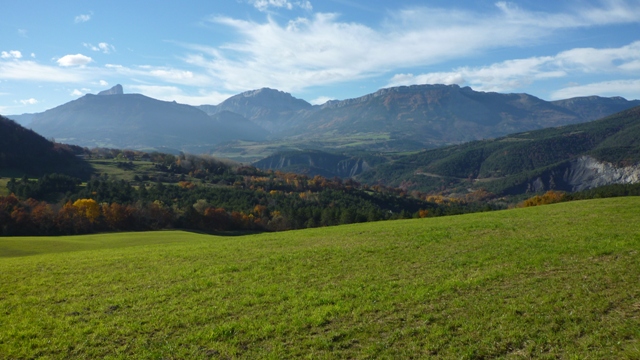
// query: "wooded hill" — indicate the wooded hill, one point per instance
point(529, 161)
point(24, 151)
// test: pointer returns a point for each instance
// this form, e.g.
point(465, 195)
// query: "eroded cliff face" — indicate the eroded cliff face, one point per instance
point(587, 172)
point(351, 167)
point(582, 173)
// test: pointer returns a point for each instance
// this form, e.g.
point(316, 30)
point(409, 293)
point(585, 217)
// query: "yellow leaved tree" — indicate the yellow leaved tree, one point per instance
point(88, 208)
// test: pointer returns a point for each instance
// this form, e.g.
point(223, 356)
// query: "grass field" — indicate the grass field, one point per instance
point(3, 186)
point(110, 167)
point(557, 281)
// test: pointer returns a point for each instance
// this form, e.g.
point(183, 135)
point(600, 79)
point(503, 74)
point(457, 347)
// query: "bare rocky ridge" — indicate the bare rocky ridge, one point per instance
point(116, 90)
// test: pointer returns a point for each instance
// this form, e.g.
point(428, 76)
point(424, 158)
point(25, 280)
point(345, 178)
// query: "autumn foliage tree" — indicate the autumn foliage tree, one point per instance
point(550, 197)
point(88, 208)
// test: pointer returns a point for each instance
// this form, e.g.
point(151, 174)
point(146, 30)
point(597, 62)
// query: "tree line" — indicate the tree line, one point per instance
point(249, 200)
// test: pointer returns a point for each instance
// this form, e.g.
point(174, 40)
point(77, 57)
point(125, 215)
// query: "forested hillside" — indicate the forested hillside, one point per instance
point(24, 151)
point(510, 164)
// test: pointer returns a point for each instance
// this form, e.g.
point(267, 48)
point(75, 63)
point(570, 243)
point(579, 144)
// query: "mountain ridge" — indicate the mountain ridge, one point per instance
point(401, 117)
point(137, 121)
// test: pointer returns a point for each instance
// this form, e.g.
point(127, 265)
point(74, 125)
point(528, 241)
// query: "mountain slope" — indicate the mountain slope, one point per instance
point(550, 158)
point(24, 119)
point(438, 114)
point(136, 121)
point(25, 151)
point(270, 109)
point(406, 116)
point(596, 107)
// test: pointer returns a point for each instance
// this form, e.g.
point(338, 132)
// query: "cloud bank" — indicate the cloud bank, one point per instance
point(321, 49)
point(514, 74)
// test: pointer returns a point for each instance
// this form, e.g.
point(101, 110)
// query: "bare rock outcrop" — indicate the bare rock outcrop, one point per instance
point(587, 172)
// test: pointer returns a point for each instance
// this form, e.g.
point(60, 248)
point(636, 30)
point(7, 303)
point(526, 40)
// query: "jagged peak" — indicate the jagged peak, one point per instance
point(116, 90)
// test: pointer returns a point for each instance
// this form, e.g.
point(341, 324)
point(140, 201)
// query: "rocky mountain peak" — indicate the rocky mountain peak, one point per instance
point(116, 90)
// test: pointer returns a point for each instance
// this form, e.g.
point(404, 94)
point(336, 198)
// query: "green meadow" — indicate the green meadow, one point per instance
point(556, 281)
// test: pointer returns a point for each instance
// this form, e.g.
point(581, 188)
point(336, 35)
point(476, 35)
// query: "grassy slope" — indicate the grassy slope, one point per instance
point(556, 281)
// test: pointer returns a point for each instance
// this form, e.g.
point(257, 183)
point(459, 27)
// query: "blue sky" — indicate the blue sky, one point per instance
point(202, 52)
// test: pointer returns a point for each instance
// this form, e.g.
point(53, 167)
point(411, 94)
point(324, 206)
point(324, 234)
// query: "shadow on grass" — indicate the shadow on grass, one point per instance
point(223, 233)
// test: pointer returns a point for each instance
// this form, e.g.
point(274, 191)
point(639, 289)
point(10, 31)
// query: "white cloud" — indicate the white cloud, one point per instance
point(32, 71)
point(264, 5)
point(513, 74)
point(23, 33)
point(12, 54)
point(321, 49)
point(102, 47)
point(80, 92)
point(321, 100)
point(629, 89)
point(166, 74)
point(173, 93)
point(83, 18)
point(33, 55)
point(74, 60)
point(30, 101)
point(103, 83)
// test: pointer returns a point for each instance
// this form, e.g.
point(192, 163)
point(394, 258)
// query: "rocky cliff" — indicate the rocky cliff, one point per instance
point(587, 172)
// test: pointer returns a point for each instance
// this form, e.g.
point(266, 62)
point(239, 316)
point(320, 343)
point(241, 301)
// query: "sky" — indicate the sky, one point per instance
point(203, 52)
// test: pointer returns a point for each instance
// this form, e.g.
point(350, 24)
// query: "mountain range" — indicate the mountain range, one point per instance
point(431, 115)
point(400, 118)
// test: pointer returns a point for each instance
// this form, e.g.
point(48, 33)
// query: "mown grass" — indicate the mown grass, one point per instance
point(557, 281)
